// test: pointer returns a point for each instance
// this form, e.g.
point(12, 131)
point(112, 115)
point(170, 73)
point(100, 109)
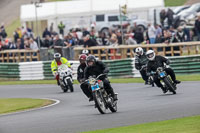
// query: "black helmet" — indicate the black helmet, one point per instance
point(91, 58)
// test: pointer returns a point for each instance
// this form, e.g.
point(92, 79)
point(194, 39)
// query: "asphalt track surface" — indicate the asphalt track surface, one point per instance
point(137, 104)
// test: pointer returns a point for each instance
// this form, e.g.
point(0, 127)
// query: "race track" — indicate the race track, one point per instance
point(137, 104)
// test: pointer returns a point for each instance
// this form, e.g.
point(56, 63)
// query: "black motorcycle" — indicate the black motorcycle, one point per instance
point(102, 99)
point(166, 80)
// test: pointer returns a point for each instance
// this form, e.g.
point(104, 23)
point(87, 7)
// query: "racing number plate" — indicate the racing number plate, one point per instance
point(162, 74)
point(95, 87)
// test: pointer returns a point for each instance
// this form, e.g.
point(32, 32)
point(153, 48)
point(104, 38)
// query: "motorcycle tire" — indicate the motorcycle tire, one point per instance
point(99, 102)
point(70, 85)
point(113, 106)
point(170, 85)
point(64, 88)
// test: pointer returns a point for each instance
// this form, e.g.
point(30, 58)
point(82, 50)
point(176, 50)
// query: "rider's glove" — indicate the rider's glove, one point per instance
point(106, 71)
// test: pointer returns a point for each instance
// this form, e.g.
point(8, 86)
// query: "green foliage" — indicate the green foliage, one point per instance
point(20, 104)
point(174, 2)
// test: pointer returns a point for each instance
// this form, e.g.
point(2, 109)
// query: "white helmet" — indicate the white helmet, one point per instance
point(85, 51)
point(139, 51)
point(57, 56)
point(150, 55)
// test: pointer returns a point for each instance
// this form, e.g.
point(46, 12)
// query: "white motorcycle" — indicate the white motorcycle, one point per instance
point(65, 78)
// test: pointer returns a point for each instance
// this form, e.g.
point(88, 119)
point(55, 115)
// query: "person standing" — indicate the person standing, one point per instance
point(61, 28)
point(152, 33)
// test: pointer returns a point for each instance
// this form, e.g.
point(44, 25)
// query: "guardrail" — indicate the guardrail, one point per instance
point(118, 68)
point(127, 51)
point(19, 55)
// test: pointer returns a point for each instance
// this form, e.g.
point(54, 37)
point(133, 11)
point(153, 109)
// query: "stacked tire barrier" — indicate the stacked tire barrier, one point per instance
point(31, 70)
point(9, 71)
point(186, 64)
point(118, 68)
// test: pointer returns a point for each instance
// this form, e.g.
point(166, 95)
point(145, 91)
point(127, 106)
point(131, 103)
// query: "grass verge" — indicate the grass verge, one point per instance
point(175, 2)
point(12, 27)
point(194, 77)
point(180, 125)
point(9, 105)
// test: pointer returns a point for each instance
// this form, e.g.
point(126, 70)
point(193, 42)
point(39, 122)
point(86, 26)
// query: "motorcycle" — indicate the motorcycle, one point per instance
point(102, 99)
point(150, 80)
point(166, 80)
point(65, 78)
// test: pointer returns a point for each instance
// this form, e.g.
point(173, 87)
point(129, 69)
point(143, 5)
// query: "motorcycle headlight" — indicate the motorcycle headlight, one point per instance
point(92, 81)
point(62, 74)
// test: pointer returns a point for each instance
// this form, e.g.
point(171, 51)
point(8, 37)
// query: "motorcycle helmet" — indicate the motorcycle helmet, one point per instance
point(150, 55)
point(91, 59)
point(139, 51)
point(82, 58)
point(57, 56)
point(85, 51)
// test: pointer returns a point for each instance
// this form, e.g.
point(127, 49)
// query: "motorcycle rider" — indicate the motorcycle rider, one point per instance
point(85, 51)
point(95, 68)
point(58, 60)
point(156, 61)
point(141, 61)
point(80, 77)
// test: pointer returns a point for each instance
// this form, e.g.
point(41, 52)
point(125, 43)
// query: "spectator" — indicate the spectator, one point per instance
point(197, 27)
point(3, 33)
point(85, 32)
point(58, 41)
point(12, 45)
point(15, 35)
point(70, 43)
point(170, 16)
point(19, 44)
point(151, 34)
point(119, 37)
point(113, 40)
point(129, 39)
point(51, 28)
point(162, 17)
point(47, 42)
point(180, 35)
point(61, 28)
point(138, 36)
point(33, 44)
point(88, 42)
point(46, 32)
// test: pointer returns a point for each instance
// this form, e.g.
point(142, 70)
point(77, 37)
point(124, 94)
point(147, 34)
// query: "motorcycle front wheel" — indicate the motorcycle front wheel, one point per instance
point(99, 102)
point(170, 85)
point(70, 85)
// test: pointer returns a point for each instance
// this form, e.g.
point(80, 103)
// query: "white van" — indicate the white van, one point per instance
point(105, 21)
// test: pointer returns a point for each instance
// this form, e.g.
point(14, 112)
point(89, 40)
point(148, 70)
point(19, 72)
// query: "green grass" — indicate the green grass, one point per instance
point(21, 104)
point(181, 125)
point(12, 27)
point(175, 2)
point(194, 77)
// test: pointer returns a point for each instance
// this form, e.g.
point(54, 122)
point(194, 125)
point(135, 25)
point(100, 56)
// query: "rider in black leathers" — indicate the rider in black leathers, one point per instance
point(141, 61)
point(95, 68)
point(156, 61)
point(80, 77)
